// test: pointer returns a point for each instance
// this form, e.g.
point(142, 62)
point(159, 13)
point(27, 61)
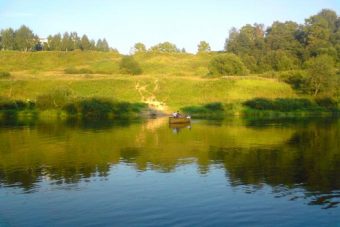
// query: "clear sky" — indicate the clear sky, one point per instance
point(125, 22)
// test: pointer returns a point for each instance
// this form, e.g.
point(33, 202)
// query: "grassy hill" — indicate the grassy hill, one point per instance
point(168, 82)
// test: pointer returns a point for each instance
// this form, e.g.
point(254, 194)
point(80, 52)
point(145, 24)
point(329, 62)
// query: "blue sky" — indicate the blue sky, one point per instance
point(183, 22)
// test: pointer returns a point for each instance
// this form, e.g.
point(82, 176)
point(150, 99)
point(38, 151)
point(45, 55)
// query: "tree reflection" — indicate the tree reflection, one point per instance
point(309, 160)
point(297, 160)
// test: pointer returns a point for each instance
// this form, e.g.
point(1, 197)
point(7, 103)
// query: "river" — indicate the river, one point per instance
point(231, 172)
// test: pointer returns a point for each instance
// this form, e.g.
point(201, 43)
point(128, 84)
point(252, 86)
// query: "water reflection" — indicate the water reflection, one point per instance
point(298, 160)
point(176, 128)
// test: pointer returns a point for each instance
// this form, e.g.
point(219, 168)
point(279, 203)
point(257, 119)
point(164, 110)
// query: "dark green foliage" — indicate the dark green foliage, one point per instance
point(102, 108)
point(227, 64)
point(282, 105)
point(209, 109)
point(281, 60)
point(286, 45)
point(259, 104)
point(4, 75)
point(297, 79)
point(327, 102)
point(15, 105)
point(128, 65)
point(214, 106)
point(95, 107)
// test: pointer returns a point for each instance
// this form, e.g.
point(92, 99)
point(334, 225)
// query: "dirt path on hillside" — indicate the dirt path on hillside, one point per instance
point(148, 95)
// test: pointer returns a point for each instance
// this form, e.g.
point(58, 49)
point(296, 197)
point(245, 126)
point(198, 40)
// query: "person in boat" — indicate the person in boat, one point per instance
point(176, 114)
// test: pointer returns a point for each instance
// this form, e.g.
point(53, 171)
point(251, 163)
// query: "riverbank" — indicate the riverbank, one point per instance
point(169, 82)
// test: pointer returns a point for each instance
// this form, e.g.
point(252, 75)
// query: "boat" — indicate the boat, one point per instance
point(180, 120)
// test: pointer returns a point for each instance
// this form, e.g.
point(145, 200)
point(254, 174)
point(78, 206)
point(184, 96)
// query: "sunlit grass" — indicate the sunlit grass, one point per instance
point(178, 80)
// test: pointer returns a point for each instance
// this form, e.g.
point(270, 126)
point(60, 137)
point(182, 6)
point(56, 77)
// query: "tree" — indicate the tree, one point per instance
point(227, 64)
point(319, 29)
point(24, 38)
point(282, 36)
point(75, 40)
point(321, 74)
point(55, 42)
point(38, 46)
point(248, 40)
point(128, 65)
point(66, 42)
point(165, 47)
point(105, 45)
point(7, 39)
point(139, 48)
point(85, 43)
point(278, 60)
point(93, 45)
point(203, 47)
point(102, 45)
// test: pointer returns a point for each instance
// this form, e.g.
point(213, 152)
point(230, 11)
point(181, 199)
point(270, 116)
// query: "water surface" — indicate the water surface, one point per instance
point(145, 173)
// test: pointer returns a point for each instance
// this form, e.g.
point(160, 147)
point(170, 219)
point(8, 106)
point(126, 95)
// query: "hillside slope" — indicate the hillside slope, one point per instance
point(169, 81)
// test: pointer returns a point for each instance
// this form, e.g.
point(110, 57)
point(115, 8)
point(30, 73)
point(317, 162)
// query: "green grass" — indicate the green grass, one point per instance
point(177, 80)
point(175, 92)
point(52, 60)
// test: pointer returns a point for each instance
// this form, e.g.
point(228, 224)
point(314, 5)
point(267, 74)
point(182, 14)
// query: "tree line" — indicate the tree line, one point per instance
point(23, 39)
point(286, 45)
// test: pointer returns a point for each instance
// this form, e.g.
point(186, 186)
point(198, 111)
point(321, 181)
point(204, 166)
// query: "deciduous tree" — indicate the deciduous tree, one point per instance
point(203, 47)
point(321, 74)
point(24, 38)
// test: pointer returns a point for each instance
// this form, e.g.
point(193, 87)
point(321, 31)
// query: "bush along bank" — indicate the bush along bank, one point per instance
point(94, 108)
point(263, 107)
point(86, 108)
point(294, 107)
point(209, 110)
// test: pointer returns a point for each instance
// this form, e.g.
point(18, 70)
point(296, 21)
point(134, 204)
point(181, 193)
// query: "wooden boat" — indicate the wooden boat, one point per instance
point(179, 120)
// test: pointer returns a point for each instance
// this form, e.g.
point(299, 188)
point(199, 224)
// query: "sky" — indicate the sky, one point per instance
point(182, 22)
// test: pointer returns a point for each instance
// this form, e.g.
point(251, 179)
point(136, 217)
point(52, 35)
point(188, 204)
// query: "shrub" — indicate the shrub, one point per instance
point(214, 106)
point(227, 64)
point(209, 109)
point(16, 105)
point(128, 65)
point(101, 108)
point(259, 104)
point(95, 107)
point(297, 79)
point(283, 105)
point(4, 75)
point(57, 98)
point(327, 102)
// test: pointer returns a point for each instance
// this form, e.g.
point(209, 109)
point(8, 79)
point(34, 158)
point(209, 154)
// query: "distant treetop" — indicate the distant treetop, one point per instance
point(23, 39)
